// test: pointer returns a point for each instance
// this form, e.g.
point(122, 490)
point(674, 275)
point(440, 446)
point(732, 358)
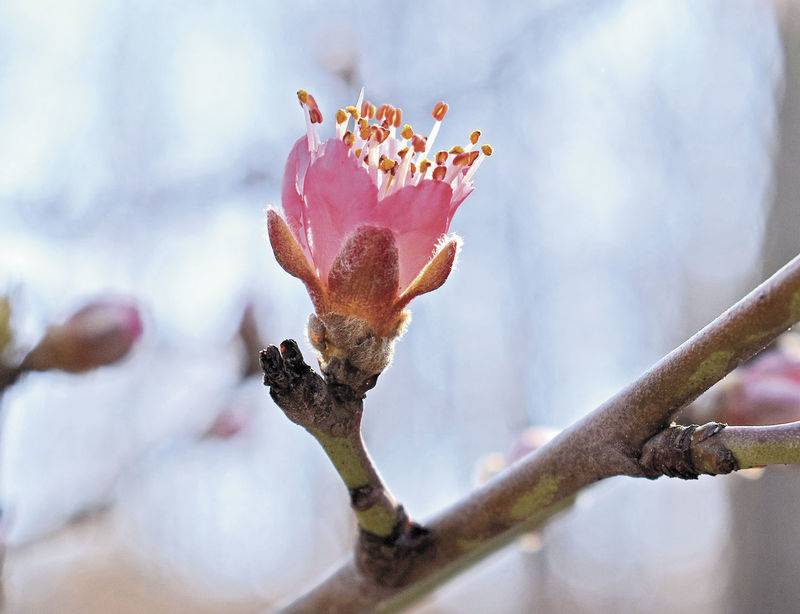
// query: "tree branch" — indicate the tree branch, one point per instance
point(609, 441)
point(714, 449)
point(331, 409)
point(8, 376)
point(757, 446)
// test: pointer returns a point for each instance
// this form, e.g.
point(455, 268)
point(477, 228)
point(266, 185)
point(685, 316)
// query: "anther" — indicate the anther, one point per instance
point(386, 164)
point(388, 115)
point(419, 143)
point(353, 112)
point(407, 132)
point(439, 173)
point(456, 149)
point(367, 110)
point(487, 150)
point(473, 155)
point(441, 157)
point(313, 109)
point(349, 138)
point(302, 96)
point(341, 116)
point(398, 117)
point(439, 111)
point(423, 166)
point(474, 136)
point(461, 159)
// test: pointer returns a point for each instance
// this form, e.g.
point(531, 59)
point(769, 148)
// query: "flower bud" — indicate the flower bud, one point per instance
point(98, 334)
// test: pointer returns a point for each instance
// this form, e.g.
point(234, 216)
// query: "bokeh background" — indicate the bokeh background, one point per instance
point(645, 176)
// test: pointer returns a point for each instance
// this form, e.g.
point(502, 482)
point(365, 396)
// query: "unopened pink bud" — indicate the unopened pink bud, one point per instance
point(228, 423)
point(530, 440)
point(98, 334)
point(767, 391)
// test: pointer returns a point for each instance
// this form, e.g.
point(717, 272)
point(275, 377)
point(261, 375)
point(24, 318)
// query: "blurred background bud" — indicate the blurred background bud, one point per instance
point(98, 334)
point(767, 391)
point(530, 440)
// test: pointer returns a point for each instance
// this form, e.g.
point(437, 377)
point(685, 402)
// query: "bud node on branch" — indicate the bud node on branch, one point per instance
point(304, 396)
point(388, 561)
point(687, 452)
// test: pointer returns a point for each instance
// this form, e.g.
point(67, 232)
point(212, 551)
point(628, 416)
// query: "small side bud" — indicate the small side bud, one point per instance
point(101, 333)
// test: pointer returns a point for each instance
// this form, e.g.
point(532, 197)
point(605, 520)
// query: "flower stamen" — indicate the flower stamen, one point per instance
point(311, 132)
point(391, 152)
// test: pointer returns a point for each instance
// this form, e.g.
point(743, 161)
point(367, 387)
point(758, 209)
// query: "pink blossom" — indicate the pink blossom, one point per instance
point(367, 213)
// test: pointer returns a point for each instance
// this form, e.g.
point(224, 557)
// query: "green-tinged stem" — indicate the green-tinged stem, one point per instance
point(756, 446)
point(352, 461)
point(331, 409)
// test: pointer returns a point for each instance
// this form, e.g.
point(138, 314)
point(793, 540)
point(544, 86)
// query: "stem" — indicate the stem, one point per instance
point(331, 411)
point(375, 508)
point(756, 446)
point(609, 441)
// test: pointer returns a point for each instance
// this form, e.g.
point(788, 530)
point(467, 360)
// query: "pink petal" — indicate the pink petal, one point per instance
point(293, 206)
point(339, 195)
point(457, 202)
point(419, 216)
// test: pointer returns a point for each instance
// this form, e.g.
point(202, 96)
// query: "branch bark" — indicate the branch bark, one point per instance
point(716, 449)
point(621, 437)
point(8, 376)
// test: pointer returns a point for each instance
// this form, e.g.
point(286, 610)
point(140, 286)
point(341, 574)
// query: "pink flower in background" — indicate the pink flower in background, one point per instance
point(367, 213)
point(100, 333)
